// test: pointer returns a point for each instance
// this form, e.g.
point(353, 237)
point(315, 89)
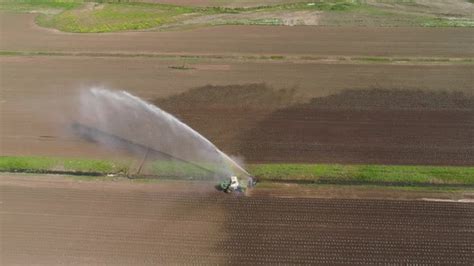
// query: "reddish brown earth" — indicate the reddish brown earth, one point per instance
point(40, 99)
point(47, 221)
point(39, 93)
point(19, 32)
point(343, 136)
point(354, 126)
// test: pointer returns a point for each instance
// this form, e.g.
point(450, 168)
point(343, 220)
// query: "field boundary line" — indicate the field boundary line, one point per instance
point(256, 57)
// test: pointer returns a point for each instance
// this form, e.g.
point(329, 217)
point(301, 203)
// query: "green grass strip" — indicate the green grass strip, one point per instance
point(43, 164)
point(39, 5)
point(303, 173)
point(364, 173)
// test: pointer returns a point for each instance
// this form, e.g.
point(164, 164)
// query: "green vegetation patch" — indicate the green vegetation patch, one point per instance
point(45, 6)
point(258, 21)
point(109, 17)
point(44, 164)
point(187, 170)
point(173, 169)
point(447, 22)
point(87, 165)
point(13, 164)
point(121, 15)
point(364, 173)
point(367, 14)
point(372, 59)
point(328, 5)
point(298, 173)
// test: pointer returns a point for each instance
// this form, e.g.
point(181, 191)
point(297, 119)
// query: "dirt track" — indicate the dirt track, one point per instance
point(49, 222)
point(22, 34)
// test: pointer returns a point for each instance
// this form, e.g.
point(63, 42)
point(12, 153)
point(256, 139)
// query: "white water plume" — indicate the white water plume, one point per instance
point(125, 116)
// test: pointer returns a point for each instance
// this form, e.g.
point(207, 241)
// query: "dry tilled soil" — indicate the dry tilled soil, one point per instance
point(48, 222)
point(413, 112)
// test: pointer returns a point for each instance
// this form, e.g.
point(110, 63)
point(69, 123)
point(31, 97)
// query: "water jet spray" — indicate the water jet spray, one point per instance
point(130, 119)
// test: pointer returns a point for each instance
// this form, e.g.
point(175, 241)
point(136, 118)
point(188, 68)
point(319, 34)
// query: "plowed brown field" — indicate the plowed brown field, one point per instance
point(47, 222)
point(355, 126)
point(20, 33)
point(279, 110)
point(431, 122)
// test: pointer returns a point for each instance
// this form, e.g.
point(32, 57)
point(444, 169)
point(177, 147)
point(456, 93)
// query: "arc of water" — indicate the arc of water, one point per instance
point(154, 109)
point(157, 111)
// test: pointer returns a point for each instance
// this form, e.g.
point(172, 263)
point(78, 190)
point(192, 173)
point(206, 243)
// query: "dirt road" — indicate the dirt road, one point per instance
point(47, 221)
point(19, 32)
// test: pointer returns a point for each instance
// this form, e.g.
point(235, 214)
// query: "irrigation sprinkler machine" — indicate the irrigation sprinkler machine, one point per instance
point(110, 103)
point(233, 184)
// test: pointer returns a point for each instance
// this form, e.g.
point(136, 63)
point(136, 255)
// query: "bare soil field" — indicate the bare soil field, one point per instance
point(385, 135)
point(19, 32)
point(353, 126)
point(39, 105)
point(39, 93)
point(48, 221)
point(278, 110)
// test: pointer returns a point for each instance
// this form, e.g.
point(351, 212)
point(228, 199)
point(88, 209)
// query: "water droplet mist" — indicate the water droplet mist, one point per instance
point(125, 116)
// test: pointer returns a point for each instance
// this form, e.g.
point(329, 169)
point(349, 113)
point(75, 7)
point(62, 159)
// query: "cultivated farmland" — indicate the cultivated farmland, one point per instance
point(102, 223)
point(356, 116)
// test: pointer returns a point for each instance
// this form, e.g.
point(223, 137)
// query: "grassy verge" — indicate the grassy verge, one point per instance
point(45, 164)
point(188, 59)
point(181, 170)
point(368, 187)
point(383, 174)
point(41, 6)
point(111, 16)
point(293, 173)
point(373, 15)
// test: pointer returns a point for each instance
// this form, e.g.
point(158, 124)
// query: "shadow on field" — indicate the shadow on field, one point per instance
point(368, 126)
point(256, 95)
point(223, 113)
point(398, 126)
